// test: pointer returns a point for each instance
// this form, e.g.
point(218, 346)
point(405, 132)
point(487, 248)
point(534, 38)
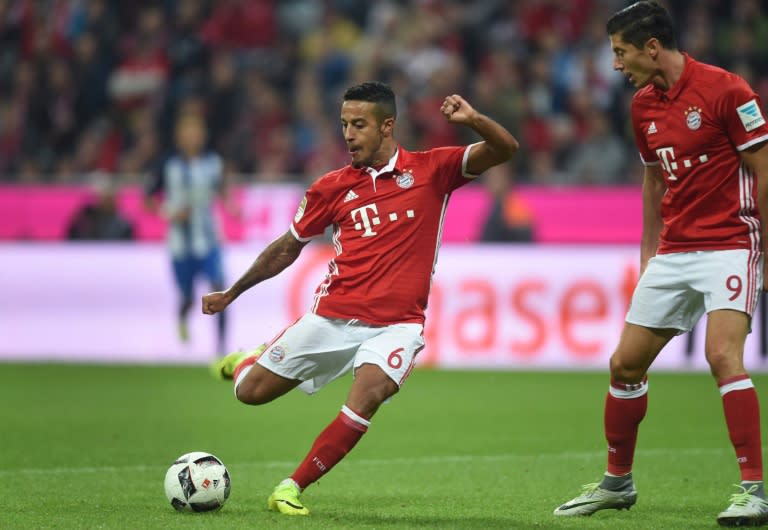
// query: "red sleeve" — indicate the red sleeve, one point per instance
point(647, 155)
point(741, 112)
point(313, 215)
point(449, 167)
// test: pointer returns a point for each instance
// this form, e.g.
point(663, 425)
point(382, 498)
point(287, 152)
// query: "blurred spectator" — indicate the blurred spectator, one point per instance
point(240, 24)
point(99, 219)
point(95, 84)
point(600, 157)
point(91, 66)
point(141, 74)
point(510, 218)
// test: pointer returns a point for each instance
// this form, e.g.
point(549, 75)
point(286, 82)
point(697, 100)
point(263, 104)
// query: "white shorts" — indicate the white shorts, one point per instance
point(677, 289)
point(317, 350)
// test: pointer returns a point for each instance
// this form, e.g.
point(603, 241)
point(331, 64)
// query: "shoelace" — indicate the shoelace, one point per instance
point(743, 498)
point(590, 489)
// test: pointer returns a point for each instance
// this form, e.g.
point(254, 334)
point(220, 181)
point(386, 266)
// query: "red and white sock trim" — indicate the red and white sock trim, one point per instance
point(740, 382)
point(628, 390)
point(354, 420)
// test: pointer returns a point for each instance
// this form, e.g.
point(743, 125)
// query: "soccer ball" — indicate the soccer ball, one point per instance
point(197, 482)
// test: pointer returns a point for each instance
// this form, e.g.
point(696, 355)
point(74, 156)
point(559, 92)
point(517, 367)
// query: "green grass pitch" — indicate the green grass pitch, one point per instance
point(88, 446)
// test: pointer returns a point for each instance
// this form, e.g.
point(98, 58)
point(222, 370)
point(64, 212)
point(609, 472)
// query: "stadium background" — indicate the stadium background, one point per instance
point(531, 286)
point(90, 90)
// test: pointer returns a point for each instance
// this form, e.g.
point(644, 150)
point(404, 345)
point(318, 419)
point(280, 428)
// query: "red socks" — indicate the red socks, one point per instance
point(625, 406)
point(331, 446)
point(742, 415)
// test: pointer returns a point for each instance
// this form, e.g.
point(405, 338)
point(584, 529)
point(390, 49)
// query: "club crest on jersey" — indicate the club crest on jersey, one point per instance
point(276, 353)
point(405, 180)
point(693, 118)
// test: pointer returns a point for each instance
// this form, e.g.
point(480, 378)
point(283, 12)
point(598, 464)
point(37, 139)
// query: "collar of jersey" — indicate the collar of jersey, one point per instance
point(675, 89)
point(389, 168)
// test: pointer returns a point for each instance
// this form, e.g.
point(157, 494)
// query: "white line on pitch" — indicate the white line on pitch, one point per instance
point(386, 461)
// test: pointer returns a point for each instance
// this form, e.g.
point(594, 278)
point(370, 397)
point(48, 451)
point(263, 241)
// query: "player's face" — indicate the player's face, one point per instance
point(635, 63)
point(190, 137)
point(364, 134)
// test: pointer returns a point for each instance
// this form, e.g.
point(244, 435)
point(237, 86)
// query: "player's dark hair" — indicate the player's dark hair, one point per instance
point(642, 21)
point(374, 92)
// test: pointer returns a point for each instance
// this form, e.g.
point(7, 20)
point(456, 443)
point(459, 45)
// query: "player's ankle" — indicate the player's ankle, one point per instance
point(759, 491)
point(613, 482)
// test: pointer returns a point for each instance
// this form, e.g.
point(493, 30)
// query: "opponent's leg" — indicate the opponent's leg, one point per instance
point(183, 271)
point(625, 407)
point(726, 333)
point(221, 325)
point(371, 387)
point(214, 270)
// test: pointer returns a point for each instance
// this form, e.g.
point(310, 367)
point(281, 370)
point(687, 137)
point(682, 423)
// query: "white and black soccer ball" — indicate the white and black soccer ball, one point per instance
point(197, 482)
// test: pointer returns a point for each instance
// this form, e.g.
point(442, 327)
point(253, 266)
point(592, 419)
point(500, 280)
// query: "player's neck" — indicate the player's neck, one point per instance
point(671, 66)
point(383, 155)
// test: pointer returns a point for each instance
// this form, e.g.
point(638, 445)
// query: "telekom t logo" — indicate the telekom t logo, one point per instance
point(667, 157)
point(363, 222)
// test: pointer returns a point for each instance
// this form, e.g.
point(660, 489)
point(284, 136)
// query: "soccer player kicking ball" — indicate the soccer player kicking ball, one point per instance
point(387, 210)
point(702, 139)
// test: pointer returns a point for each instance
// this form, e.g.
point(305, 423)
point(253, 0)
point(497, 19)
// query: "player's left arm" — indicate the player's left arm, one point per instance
point(498, 144)
point(756, 159)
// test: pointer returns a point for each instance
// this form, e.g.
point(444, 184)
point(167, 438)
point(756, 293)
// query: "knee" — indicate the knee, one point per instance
point(368, 403)
point(724, 362)
point(623, 372)
point(252, 393)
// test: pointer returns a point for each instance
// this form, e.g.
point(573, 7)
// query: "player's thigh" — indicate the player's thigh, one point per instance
point(664, 297)
point(637, 349)
point(260, 386)
point(730, 279)
point(393, 350)
point(184, 274)
point(313, 348)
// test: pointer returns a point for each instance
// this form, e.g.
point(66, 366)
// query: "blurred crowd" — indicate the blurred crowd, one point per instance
point(91, 86)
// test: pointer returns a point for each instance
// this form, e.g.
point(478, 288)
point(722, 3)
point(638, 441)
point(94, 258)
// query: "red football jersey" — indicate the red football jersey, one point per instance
point(387, 226)
point(696, 130)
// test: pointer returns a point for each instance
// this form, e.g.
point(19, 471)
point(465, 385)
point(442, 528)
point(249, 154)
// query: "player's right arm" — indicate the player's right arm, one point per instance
point(654, 188)
point(273, 260)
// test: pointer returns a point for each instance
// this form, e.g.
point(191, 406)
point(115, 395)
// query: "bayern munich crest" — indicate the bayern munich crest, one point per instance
point(277, 353)
point(405, 180)
point(693, 118)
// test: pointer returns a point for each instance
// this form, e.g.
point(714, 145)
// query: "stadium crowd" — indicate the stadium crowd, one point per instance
point(95, 85)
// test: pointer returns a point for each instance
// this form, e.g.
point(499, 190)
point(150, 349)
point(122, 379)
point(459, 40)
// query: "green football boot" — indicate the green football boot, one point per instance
point(224, 368)
point(285, 499)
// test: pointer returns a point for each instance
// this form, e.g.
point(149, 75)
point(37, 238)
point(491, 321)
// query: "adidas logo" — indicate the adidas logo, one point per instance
point(351, 195)
point(652, 128)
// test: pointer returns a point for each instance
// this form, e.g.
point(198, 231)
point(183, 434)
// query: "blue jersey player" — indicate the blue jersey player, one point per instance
point(183, 190)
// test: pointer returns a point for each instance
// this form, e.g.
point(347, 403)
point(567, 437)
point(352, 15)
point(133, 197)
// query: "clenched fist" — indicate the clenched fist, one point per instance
point(216, 302)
